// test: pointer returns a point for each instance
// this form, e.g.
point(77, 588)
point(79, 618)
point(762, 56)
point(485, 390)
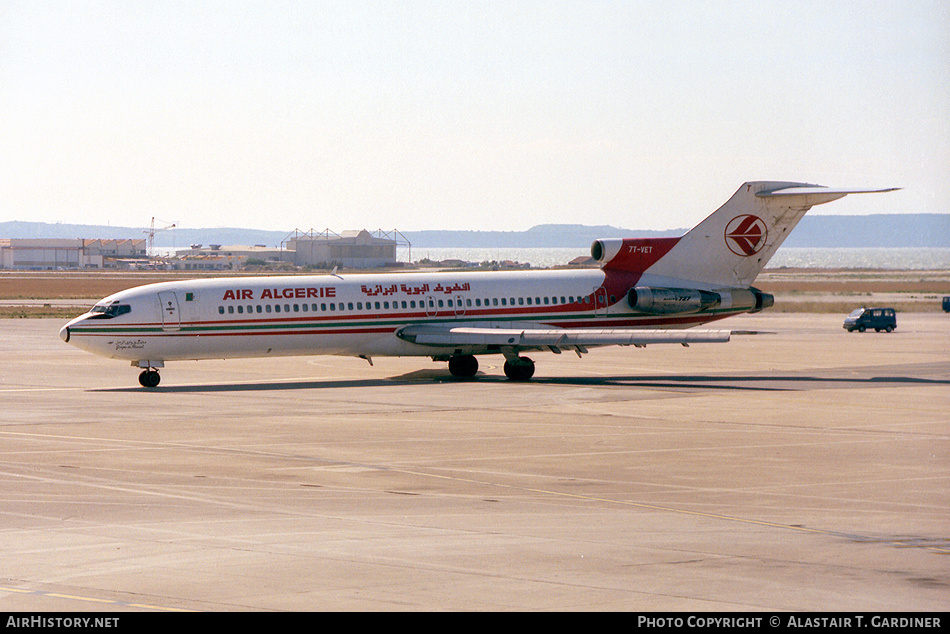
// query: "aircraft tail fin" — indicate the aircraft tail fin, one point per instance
point(732, 245)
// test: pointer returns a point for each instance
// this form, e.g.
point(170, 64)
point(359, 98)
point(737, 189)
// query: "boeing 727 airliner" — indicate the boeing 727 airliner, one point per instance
point(645, 291)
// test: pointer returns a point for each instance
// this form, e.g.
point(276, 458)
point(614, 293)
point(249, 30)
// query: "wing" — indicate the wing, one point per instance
point(555, 339)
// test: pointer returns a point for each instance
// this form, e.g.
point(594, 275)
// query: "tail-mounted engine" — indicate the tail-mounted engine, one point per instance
point(666, 301)
point(630, 254)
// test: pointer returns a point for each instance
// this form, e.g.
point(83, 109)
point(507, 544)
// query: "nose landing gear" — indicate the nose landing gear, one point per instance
point(150, 378)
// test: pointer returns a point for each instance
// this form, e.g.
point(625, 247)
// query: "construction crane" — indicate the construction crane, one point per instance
point(151, 231)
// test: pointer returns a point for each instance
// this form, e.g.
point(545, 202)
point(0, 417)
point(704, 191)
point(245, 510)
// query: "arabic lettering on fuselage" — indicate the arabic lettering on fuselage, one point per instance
point(392, 289)
point(311, 292)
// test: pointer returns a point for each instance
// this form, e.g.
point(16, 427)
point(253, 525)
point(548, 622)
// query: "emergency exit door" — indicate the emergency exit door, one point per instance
point(171, 318)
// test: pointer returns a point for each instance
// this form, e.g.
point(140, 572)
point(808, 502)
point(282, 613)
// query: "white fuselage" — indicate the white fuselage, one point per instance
point(355, 315)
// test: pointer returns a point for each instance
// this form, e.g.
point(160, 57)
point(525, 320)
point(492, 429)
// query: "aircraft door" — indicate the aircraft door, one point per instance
point(459, 306)
point(431, 308)
point(171, 317)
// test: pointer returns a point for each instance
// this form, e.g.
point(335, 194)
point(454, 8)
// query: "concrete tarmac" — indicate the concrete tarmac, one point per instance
point(803, 469)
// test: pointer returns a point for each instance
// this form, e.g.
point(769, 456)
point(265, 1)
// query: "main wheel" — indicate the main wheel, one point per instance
point(150, 378)
point(463, 365)
point(521, 370)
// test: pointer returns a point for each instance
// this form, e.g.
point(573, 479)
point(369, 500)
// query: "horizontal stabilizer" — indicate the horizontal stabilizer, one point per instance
point(810, 195)
point(817, 189)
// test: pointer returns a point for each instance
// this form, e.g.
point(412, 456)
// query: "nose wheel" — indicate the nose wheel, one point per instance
point(149, 378)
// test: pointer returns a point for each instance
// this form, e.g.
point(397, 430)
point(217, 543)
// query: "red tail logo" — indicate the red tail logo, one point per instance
point(746, 235)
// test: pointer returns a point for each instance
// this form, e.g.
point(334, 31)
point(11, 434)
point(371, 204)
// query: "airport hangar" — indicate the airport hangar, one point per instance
point(351, 249)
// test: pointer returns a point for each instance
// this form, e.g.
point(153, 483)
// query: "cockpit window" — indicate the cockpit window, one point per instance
point(108, 311)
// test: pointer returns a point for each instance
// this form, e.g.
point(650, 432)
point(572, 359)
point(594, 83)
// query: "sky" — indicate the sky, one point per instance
point(500, 116)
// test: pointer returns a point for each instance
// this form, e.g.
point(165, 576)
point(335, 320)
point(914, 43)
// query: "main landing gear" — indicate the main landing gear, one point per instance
point(519, 368)
point(463, 366)
point(149, 378)
point(516, 368)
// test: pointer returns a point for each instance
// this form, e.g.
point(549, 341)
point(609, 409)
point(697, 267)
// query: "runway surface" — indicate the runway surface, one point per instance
point(806, 469)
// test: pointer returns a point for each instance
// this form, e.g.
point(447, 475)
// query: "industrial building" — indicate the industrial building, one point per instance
point(52, 254)
point(215, 257)
point(351, 249)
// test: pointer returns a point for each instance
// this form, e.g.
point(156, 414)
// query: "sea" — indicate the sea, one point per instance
point(785, 257)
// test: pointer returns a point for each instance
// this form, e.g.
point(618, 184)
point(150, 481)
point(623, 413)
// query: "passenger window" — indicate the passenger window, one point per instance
point(220, 310)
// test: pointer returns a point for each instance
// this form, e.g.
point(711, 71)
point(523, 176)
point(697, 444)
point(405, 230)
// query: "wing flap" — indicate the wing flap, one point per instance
point(452, 336)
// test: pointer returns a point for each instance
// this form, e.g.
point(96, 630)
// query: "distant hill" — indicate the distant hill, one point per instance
point(884, 230)
point(539, 236)
point(877, 231)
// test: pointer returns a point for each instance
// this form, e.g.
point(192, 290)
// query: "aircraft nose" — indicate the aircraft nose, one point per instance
point(64, 333)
